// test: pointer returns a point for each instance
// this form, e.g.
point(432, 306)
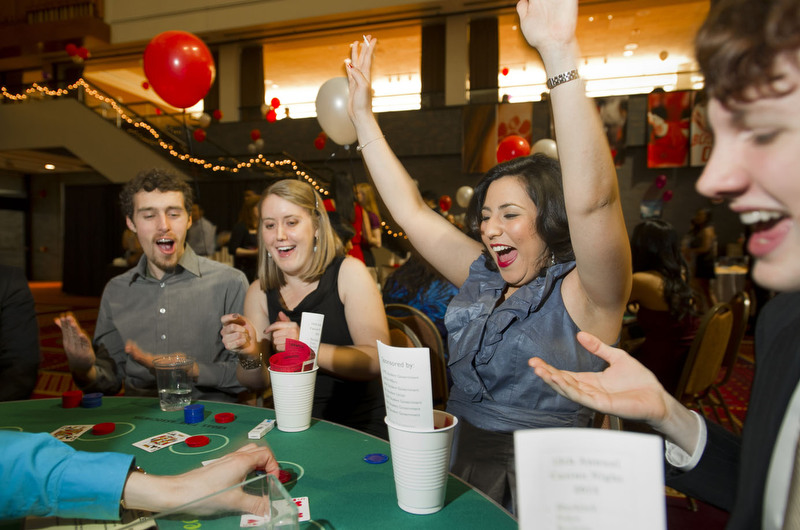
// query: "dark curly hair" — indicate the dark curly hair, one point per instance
point(655, 246)
point(541, 176)
point(739, 42)
point(155, 179)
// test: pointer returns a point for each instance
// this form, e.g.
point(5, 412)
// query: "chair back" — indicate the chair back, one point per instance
point(740, 306)
point(705, 356)
point(429, 336)
point(400, 335)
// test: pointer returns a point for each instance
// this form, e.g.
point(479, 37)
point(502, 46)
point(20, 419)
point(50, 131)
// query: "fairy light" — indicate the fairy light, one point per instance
point(260, 160)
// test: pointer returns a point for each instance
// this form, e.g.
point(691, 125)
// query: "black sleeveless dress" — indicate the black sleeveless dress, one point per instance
point(356, 404)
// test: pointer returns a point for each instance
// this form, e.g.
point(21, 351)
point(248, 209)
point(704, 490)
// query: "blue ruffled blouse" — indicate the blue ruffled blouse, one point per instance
point(493, 386)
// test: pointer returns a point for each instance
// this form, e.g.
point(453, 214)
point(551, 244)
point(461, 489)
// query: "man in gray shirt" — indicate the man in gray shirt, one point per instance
point(171, 301)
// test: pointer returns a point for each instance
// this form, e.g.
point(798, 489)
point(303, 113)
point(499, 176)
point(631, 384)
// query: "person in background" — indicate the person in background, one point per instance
point(419, 285)
point(131, 248)
point(666, 312)
point(45, 477)
point(701, 253)
point(303, 268)
point(549, 256)
point(243, 243)
point(202, 235)
point(19, 336)
point(749, 53)
point(371, 219)
point(171, 301)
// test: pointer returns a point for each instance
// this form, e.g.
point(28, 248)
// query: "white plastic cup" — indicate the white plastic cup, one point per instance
point(420, 460)
point(174, 380)
point(293, 394)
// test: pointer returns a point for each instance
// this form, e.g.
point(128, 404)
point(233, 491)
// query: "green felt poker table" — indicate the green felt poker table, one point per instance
point(327, 461)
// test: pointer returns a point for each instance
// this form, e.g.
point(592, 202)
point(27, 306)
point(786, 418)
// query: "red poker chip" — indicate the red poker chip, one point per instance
point(284, 476)
point(224, 417)
point(197, 441)
point(104, 428)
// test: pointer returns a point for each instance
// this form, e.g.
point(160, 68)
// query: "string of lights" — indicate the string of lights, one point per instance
point(38, 90)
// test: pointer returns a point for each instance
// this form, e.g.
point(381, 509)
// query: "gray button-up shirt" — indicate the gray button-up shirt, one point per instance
point(179, 313)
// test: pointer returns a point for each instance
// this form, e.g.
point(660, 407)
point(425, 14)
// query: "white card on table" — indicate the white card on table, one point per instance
point(589, 478)
point(70, 433)
point(407, 390)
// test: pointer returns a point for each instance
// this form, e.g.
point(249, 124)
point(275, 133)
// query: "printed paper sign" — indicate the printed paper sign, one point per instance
point(406, 375)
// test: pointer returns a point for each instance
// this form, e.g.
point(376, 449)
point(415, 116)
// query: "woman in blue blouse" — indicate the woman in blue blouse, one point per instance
point(549, 257)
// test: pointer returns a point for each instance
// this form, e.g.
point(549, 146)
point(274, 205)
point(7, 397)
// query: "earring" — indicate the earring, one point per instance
point(269, 256)
point(552, 258)
point(315, 248)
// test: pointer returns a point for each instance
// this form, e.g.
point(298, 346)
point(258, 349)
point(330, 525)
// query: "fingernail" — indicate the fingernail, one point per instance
point(349, 63)
point(366, 40)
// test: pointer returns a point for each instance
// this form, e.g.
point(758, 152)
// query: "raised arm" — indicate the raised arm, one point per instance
point(445, 247)
point(591, 194)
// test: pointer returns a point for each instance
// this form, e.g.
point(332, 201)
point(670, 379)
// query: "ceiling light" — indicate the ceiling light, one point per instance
point(627, 53)
point(51, 167)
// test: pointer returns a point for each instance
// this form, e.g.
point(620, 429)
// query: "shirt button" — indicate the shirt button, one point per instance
point(163, 337)
point(162, 310)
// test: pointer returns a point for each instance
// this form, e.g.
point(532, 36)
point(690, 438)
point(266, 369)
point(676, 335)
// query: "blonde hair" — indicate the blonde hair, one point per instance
point(327, 245)
point(370, 204)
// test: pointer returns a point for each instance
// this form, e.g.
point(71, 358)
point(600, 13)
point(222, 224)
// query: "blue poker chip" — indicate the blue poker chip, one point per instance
point(376, 458)
point(193, 413)
point(91, 401)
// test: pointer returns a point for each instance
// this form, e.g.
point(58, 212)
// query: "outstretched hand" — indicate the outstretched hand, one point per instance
point(156, 493)
point(626, 388)
point(77, 344)
point(359, 67)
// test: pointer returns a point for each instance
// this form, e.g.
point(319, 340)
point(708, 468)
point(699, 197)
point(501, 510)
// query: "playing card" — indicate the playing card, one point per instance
point(160, 441)
point(70, 433)
point(303, 514)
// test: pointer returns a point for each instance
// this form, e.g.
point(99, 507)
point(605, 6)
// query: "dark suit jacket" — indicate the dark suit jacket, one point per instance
point(732, 473)
point(19, 336)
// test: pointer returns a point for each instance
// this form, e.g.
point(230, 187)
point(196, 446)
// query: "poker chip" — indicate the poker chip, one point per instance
point(103, 428)
point(224, 417)
point(193, 413)
point(197, 441)
point(91, 401)
point(376, 458)
point(71, 399)
point(284, 476)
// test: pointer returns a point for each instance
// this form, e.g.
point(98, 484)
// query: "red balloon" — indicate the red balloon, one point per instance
point(217, 114)
point(667, 196)
point(445, 202)
point(180, 67)
point(255, 134)
point(145, 85)
point(199, 135)
point(505, 71)
point(158, 111)
point(512, 147)
point(319, 142)
point(83, 53)
point(275, 102)
point(271, 116)
point(71, 49)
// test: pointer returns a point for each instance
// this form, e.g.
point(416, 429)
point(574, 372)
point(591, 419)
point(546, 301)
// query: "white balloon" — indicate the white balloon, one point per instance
point(259, 144)
point(546, 146)
point(332, 114)
point(252, 148)
point(463, 196)
point(204, 120)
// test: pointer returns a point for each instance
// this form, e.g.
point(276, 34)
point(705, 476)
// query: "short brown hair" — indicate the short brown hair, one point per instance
point(328, 246)
point(739, 43)
point(156, 179)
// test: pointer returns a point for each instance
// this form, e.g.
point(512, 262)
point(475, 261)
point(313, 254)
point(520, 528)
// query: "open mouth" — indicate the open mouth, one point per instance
point(768, 229)
point(285, 251)
point(505, 255)
point(166, 245)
